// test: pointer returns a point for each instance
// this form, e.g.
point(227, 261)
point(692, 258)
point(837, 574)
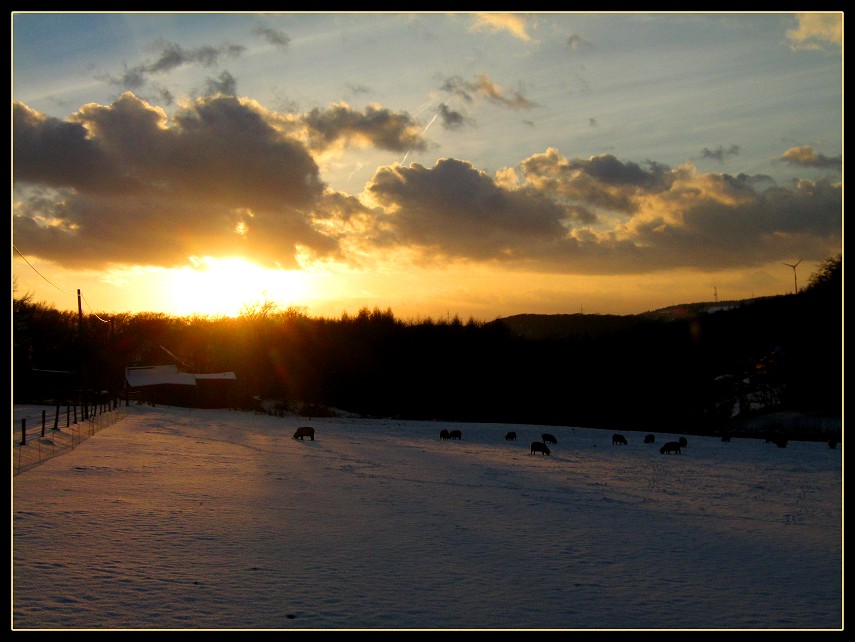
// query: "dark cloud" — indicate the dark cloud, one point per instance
point(358, 89)
point(452, 119)
point(132, 78)
point(454, 210)
point(172, 55)
point(607, 169)
point(603, 216)
point(224, 84)
point(756, 180)
point(165, 96)
point(56, 153)
point(133, 187)
point(359, 231)
point(722, 227)
point(719, 153)
point(377, 126)
point(776, 211)
point(577, 42)
point(485, 88)
point(806, 157)
point(458, 87)
point(275, 37)
point(602, 181)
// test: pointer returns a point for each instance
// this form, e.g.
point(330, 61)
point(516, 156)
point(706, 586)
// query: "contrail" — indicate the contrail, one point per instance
point(424, 131)
point(424, 106)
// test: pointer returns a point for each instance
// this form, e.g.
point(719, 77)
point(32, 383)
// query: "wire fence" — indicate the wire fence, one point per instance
point(42, 436)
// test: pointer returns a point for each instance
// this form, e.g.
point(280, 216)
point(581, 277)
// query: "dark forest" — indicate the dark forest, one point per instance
point(695, 368)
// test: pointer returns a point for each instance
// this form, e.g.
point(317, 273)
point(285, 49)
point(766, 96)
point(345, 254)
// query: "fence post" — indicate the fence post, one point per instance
point(43, 423)
point(67, 415)
point(23, 432)
point(56, 418)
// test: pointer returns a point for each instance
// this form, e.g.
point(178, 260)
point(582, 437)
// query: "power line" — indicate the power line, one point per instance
point(92, 312)
point(39, 273)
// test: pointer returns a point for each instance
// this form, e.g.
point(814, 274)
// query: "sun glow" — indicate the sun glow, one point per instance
point(225, 287)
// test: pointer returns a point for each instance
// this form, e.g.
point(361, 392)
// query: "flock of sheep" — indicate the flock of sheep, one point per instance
point(546, 438)
point(536, 446)
point(670, 447)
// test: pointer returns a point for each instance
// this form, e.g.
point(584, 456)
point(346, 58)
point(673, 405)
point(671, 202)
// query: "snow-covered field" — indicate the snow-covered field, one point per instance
point(175, 518)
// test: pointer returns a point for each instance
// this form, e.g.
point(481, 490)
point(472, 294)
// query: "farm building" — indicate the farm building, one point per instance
point(166, 385)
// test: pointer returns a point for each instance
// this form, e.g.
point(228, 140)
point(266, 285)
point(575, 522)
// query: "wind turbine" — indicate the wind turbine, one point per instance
point(795, 281)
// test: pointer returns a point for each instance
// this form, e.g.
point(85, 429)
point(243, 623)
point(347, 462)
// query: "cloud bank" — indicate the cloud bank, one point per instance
point(125, 185)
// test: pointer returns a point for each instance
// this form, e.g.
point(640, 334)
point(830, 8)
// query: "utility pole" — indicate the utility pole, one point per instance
point(83, 400)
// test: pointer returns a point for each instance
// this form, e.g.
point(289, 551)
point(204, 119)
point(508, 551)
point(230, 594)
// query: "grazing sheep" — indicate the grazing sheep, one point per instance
point(539, 447)
point(725, 438)
point(444, 434)
point(511, 436)
point(683, 442)
point(548, 439)
point(455, 434)
point(671, 447)
point(781, 442)
point(618, 440)
point(305, 431)
point(649, 439)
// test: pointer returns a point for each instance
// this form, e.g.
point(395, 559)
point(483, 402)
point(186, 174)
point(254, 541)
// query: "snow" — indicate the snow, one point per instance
point(177, 518)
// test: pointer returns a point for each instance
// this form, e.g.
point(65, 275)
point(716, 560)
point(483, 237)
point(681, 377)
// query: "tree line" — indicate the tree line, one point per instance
point(694, 371)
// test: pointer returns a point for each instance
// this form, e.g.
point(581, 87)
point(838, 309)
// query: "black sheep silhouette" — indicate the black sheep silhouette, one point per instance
point(539, 447)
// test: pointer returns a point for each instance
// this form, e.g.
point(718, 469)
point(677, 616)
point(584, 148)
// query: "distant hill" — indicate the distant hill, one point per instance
point(556, 326)
point(685, 310)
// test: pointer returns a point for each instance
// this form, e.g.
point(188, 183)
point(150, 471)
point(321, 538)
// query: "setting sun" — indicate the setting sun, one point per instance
point(224, 287)
point(548, 163)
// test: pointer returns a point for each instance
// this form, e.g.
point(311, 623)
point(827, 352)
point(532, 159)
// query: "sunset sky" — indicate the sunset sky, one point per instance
point(477, 165)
